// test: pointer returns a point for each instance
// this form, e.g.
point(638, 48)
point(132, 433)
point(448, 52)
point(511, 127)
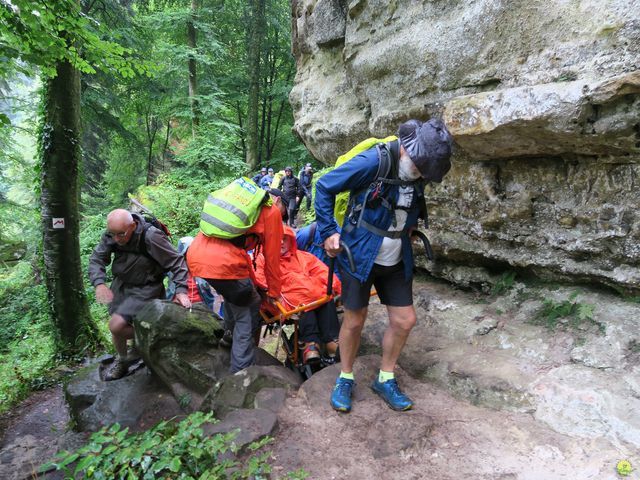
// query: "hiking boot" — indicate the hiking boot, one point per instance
point(133, 354)
point(341, 396)
point(390, 393)
point(311, 353)
point(118, 370)
point(227, 339)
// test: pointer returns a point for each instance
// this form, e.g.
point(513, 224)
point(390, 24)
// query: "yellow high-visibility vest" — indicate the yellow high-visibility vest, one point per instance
point(232, 210)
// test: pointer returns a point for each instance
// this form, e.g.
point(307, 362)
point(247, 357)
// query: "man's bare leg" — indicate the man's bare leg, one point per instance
point(401, 321)
point(349, 338)
point(121, 331)
point(349, 341)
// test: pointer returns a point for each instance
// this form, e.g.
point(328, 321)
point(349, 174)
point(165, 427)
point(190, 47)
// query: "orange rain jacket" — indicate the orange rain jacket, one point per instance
point(304, 276)
point(215, 258)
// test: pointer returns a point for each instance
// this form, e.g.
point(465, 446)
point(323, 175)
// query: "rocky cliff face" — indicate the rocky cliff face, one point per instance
point(543, 99)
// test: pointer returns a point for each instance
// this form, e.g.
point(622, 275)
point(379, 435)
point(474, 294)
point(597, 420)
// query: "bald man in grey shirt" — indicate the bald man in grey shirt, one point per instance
point(142, 254)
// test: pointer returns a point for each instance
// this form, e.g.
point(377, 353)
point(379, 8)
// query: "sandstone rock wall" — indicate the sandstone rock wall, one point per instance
point(543, 99)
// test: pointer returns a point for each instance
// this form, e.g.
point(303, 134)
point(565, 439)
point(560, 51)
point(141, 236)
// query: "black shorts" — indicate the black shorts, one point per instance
point(394, 290)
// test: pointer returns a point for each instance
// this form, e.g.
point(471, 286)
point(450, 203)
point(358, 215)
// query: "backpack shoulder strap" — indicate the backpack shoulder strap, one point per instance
point(142, 243)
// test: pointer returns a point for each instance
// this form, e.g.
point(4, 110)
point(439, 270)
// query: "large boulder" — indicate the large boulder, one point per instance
point(181, 346)
point(137, 401)
point(541, 97)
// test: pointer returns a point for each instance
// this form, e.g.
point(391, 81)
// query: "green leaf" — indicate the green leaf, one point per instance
point(4, 119)
point(84, 463)
point(175, 464)
point(70, 459)
point(109, 449)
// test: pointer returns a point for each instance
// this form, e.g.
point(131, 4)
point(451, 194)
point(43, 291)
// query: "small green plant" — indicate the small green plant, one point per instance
point(169, 450)
point(184, 400)
point(504, 283)
point(634, 346)
point(576, 314)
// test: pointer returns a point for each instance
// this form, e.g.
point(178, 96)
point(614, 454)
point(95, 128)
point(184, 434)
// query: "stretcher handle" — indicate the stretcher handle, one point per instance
point(425, 242)
point(286, 314)
point(332, 266)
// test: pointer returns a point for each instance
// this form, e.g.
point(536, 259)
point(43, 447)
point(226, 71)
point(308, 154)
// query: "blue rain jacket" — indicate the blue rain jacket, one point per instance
point(354, 175)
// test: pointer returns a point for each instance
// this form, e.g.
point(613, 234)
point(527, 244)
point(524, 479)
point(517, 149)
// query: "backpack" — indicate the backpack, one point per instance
point(150, 220)
point(232, 210)
point(388, 156)
point(342, 199)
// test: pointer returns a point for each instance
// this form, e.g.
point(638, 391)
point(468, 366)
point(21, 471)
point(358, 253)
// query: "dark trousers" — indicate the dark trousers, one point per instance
point(307, 194)
point(320, 325)
point(292, 211)
point(241, 316)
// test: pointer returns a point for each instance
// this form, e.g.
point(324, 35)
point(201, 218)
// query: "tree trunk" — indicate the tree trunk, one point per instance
point(193, 85)
point(243, 143)
point(61, 159)
point(152, 125)
point(254, 43)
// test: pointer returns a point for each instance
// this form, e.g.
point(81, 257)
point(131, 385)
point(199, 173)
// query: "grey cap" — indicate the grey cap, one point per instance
point(429, 145)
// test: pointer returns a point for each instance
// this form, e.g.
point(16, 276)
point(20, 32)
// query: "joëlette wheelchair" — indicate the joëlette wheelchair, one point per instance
point(290, 341)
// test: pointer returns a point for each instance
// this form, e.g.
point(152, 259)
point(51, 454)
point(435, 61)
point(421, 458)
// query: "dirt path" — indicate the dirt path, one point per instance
point(442, 438)
point(33, 432)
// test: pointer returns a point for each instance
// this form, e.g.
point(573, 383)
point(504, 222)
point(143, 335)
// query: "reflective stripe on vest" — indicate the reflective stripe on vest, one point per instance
point(232, 210)
point(227, 206)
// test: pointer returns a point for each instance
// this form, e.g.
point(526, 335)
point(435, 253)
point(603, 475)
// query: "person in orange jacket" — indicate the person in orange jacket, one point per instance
point(304, 280)
point(226, 265)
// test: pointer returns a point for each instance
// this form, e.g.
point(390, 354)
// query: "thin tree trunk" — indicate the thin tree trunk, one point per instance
point(263, 117)
point(193, 84)
point(243, 143)
point(256, 34)
point(59, 201)
point(152, 129)
point(165, 148)
point(283, 103)
point(271, 80)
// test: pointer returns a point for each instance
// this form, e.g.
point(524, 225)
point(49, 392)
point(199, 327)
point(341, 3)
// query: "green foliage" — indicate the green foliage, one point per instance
point(42, 33)
point(504, 283)
point(169, 450)
point(177, 200)
point(568, 313)
point(27, 349)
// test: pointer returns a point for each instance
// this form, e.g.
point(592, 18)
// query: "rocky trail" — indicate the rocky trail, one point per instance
point(497, 396)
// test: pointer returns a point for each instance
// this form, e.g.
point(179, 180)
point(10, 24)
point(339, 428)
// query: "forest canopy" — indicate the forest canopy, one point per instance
point(103, 100)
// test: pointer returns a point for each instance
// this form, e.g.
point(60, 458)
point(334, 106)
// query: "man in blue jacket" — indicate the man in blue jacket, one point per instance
point(383, 211)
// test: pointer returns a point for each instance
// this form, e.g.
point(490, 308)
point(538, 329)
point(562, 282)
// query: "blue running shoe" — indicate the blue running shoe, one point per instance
point(341, 396)
point(390, 393)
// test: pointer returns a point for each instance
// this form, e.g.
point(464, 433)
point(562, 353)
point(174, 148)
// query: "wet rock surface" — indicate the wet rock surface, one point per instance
point(36, 435)
point(580, 378)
